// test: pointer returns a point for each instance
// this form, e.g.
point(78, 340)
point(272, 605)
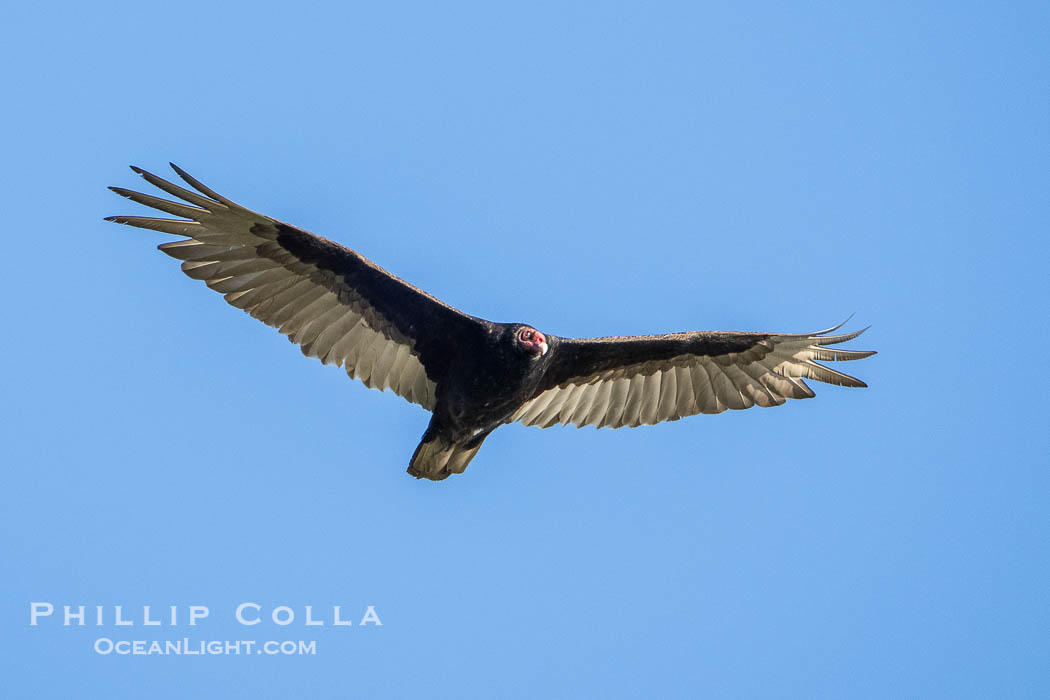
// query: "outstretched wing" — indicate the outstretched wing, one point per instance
point(631, 381)
point(337, 305)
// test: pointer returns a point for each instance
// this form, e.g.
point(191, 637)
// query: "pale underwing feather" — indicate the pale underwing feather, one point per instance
point(236, 252)
point(766, 374)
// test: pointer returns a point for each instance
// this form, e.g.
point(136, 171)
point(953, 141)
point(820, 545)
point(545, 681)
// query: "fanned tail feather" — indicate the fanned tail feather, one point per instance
point(438, 458)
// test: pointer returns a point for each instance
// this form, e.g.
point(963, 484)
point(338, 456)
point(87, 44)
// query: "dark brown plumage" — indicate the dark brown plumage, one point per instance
point(473, 375)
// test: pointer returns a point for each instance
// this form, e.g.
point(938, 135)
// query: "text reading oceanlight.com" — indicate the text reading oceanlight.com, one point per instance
point(214, 647)
point(247, 614)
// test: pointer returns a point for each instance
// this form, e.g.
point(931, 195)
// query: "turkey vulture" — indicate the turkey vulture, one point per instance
point(473, 375)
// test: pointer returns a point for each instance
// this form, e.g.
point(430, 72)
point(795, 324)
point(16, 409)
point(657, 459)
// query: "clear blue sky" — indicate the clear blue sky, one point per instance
point(591, 169)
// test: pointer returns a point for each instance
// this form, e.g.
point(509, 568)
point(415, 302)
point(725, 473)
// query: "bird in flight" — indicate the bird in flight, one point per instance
point(473, 375)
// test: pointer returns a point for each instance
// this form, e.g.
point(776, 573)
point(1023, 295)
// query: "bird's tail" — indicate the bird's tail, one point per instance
point(437, 457)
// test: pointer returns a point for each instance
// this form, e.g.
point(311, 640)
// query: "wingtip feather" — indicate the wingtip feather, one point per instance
point(200, 187)
point(834, 328)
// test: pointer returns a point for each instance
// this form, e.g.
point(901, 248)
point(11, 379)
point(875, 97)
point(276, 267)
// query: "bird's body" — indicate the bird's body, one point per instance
point(488, 381)
point(473, 375)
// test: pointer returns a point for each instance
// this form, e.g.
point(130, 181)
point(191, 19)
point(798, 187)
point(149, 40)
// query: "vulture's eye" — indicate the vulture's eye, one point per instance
point(531, 341)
